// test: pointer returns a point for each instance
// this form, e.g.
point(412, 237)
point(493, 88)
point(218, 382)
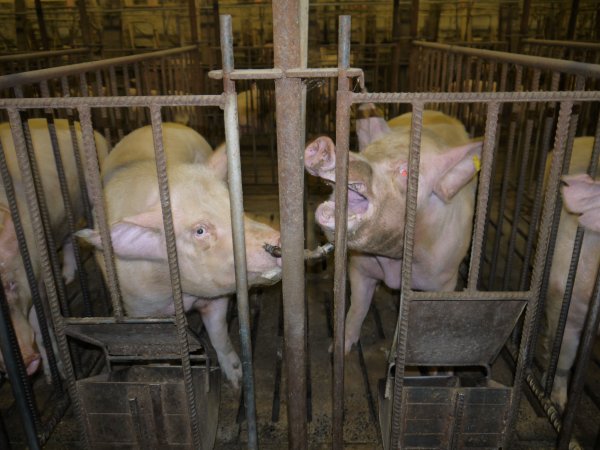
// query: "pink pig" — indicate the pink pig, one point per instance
point(14, 278)
point(202, 221)
point(376, 205)
point(581, 205)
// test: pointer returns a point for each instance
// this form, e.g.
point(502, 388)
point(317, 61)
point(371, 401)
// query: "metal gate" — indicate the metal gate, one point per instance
point(464, 406)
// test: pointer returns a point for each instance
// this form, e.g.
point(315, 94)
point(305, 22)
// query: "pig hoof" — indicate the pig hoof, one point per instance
point(232, 368)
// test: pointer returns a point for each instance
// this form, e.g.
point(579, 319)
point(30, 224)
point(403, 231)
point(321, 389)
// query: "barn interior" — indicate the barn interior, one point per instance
point(474, 367)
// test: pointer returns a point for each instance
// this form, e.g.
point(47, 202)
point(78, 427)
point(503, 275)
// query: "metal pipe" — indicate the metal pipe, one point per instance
point(342, 137)
point(559, 65)
point(44, 54)
point(290, 27)
point(35, 76)
point(567, 44)
point(234, 174)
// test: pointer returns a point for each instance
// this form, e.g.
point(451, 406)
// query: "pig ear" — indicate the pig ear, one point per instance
point(582, 196)
point(134, 237)
point(456, 167)
point(218, 161)
point(369, 127)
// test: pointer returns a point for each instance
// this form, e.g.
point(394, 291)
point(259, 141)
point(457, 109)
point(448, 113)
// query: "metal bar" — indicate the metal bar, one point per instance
point(19, 381)
point(44, 54)
point(48, 276)
point(234, 173)
point(92, 171)
point(342, 137)
point(570, 67)
point(180, 319)
point(483, 197)
point(572, 19)
point(35, 76)
point(290, 26)
point(104, 102)
point(407, 256)
point(541, 256)
point(568, 44)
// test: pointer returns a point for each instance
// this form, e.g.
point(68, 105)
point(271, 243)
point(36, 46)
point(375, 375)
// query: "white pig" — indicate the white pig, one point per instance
point(582, 196)
point(376, 205)
point(12, 271)
point(202, 221)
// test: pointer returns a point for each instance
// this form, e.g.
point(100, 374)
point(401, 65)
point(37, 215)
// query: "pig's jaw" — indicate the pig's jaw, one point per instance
point(265, 278)
point(358, 208)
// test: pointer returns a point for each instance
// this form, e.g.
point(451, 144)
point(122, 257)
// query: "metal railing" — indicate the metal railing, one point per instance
point(23, 62)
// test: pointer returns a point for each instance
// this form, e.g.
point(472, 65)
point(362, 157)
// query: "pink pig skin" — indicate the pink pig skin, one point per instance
point(581, 206)
point(376, 206)
point(202, 222)
point(14, 278)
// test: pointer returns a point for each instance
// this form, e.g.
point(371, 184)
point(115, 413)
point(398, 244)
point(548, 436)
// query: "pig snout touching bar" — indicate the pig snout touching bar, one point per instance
point(377, 186)
point(12, 270)
point(581, 206)
point(202, 222)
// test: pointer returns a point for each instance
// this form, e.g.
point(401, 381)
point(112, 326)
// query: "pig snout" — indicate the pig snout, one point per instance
point(32, 362)
point(319, 157)
point(263, 266)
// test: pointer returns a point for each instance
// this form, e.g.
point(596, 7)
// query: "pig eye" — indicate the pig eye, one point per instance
point(200, 231)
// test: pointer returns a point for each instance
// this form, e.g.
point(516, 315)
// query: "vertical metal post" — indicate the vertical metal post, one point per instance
point(416, 127)
point(290, 28)
point(572, 20)
point(342, 137)
point(85, 23)
point(234, 173)
point(525, 19)
point(39, 13)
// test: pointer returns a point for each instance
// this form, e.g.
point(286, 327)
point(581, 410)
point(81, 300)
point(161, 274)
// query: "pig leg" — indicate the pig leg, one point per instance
point(214, 317)
point(69, 266)
point(568, 352)
point(364, 273)
point(35, 324)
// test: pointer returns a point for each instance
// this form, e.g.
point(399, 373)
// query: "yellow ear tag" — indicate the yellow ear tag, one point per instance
point(477, 163)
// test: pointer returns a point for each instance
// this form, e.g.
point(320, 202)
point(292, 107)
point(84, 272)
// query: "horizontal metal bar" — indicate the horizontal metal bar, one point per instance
point(475, 97)
point(120, 101)
point(569, 44)
point(275, 74)
point(104, 320)
point(48, 54)
point(538, 62)
point(468, 295)
point(35, 76)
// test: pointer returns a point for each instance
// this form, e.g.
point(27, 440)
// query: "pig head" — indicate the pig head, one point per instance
point(377, 185)
point(202, 221)
point(581, 207)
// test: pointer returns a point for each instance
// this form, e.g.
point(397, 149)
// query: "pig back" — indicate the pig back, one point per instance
point(46, 164)
point(447, 128)
point(183, 143)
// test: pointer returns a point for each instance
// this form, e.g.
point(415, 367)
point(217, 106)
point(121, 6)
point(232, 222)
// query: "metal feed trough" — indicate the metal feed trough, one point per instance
point(477, 411)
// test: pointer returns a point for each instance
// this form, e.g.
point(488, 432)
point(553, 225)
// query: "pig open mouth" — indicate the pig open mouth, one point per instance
point(358, 205)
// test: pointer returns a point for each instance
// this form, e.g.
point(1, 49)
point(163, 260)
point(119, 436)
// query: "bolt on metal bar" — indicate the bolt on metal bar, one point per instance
point(532, 310)
point(290, 27)
point(234, 173)
point(483, 197)
point(180, 319)
point(407, 257)
point(342, 135)
point(48, 276)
